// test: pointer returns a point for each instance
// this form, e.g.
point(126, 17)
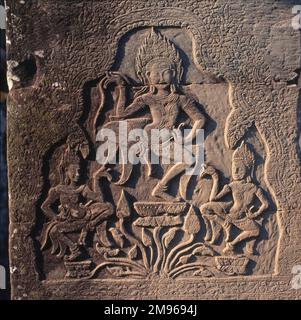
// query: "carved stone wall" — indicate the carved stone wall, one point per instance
point(230, 68)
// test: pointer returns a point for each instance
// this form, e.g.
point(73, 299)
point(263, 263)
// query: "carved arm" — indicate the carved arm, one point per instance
point(264, 204)
point(196, 116)
point(136, 106)
point(96, 193)
point(215, 195)
point(52, 197)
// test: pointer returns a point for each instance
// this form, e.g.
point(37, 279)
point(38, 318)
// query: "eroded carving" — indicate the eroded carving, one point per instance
point(159, 232)
point(73, 208)
point(239, 211)
point(159, 68)
point(256, 63)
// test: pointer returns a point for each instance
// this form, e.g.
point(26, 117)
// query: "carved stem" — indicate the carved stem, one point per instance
point(187, 267)
point(177, 256)
point(214, 190)
point(121, 101)
point(174, 250)
point(159, 248)
point(126, 260)
point(164, 249)
point(135, 241)
point(151, 256)
point(121, 262)
point(135, 275)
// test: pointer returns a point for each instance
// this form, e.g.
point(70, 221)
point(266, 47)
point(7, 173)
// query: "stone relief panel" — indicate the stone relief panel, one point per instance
point(146, 221)
point(228, 68)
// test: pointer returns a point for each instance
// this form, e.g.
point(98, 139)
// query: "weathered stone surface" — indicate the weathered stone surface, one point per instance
point(229, 67)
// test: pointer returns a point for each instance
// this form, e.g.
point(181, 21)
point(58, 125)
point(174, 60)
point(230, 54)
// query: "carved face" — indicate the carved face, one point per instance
point(73, 172)
point(160, 72)
point(239, 170)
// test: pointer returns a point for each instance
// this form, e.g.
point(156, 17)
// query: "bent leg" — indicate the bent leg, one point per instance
point(99, 212)
point(60, 231)
point(161, 188)
point(215, 212)
point(250, 230)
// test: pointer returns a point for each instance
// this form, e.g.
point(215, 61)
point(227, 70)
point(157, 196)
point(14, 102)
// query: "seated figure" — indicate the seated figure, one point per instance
point(73, 208)
point(237, 212)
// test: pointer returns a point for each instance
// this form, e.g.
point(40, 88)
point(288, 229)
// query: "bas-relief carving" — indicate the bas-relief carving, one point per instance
point(250, 101)
point(153, 221)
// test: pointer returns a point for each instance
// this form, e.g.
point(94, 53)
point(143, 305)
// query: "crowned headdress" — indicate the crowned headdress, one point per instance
point(69, 156)
point(157, 47)
point(245, 154)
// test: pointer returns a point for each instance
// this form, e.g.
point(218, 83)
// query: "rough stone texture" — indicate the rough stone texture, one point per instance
point(78, 66)
point(3, 169)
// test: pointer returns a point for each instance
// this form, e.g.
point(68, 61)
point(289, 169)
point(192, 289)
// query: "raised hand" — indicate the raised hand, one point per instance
point(115, 78)
point(103, 172)
point(208, 171)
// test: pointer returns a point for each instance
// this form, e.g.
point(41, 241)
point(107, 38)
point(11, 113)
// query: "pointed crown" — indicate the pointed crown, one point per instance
point(245, 154)
point(157, 47)
point(68, 157)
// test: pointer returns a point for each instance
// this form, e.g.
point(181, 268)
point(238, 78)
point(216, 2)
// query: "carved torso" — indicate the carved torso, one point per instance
point(164, 110)
point(243, 194)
